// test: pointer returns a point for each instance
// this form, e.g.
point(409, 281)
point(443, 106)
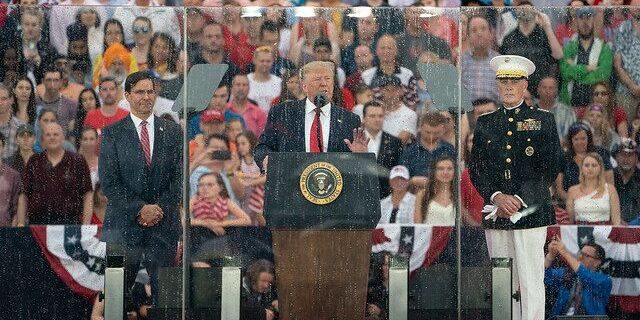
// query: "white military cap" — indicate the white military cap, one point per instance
point(511, 66)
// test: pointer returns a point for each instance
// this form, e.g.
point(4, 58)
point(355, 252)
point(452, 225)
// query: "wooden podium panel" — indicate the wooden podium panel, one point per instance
point(322, 274)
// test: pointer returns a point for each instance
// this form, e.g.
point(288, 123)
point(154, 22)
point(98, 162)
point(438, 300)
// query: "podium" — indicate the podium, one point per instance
point(321, 209)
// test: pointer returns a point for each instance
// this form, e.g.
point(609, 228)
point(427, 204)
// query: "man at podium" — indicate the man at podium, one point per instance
point(314, 124)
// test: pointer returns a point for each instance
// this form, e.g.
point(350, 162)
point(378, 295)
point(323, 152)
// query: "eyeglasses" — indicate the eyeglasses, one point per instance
point(600, 93)
point(144, 29)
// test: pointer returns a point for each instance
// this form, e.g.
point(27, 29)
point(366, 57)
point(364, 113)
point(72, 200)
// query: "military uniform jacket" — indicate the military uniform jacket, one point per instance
point(515, 151)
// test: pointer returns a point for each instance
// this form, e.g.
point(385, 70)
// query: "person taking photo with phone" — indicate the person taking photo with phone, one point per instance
point(217, 158)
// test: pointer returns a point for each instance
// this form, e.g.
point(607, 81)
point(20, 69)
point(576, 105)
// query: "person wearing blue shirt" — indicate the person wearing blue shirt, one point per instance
point(582, 288)
point(429, 146)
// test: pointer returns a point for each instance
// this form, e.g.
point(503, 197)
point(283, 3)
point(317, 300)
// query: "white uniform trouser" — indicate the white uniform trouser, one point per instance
point(526, 247)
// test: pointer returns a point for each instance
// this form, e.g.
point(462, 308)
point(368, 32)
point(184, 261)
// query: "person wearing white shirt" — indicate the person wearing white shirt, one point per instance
point(399, 121)
point(264, 86)
point(398, 207)
point(163, 19)
point(65, 14)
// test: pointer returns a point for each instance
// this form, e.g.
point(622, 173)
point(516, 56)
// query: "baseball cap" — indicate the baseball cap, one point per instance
point(211, 115)
point(626, 145)
point(25, 128)
point(399, 171)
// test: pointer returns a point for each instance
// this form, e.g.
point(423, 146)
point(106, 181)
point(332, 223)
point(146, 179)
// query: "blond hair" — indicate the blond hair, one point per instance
point(264, 49)
point(317, 65)
point(601, 179)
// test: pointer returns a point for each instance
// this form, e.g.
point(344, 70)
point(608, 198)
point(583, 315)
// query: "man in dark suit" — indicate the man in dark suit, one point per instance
point(514, 162)
point(386, 147)
point(140, 173)
point(313, 124)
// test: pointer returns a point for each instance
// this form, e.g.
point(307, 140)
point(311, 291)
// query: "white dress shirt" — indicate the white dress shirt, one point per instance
point(150, 129)
point(374, 142)
point(325, 122)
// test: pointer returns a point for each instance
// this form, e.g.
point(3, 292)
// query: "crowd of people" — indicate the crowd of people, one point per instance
point(64, 66)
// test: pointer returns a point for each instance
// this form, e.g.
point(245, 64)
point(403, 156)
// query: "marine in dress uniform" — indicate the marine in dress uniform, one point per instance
point(514, 162)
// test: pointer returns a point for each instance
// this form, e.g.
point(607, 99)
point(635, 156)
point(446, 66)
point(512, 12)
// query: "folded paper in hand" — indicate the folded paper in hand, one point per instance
point(493, 212)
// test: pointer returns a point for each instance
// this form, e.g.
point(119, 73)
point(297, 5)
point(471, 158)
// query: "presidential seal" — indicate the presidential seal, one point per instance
point(321, 183)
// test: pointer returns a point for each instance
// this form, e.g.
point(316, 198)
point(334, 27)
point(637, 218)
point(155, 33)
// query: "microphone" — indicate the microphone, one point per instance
point(320, 100)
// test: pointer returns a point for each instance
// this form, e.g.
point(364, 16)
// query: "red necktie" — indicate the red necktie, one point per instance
point(144, 139)
point(315, 143)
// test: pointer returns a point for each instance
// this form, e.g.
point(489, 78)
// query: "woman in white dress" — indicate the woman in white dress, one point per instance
point(435, 204)
point(593, 200)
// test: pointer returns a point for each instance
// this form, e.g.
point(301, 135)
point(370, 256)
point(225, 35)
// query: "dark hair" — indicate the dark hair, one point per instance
point(96, 190)
point(219, 137)
point(82, 114)
point(83, 65)
point(173, 51)
point(599, 249)
point(368, 105)
point(45, 111)
point(104, 32)
point(51, 69)
point(269, 25)
point(223, 189)
point(285, 94)
point(481, 101)
point(31, 106)
point(251, 137)
point(608, 108)
point(3, 139)
point(239, 74)
point(430, 190)
point(256, 268)
point(223, 85)
point(476, 14)
point(136, 77)
point(322, 42)
point(20, 65)
point(574, 129)
point(569, 9)
point(85, 129)
point(108, 79)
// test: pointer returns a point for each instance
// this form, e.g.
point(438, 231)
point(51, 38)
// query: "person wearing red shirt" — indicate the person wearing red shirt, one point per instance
point(254, 118)
point(109, 113)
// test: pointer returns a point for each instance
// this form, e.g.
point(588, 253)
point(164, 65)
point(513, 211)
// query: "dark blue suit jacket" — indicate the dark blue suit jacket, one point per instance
point(129, 184)
point(388, 157)
point(284, 131)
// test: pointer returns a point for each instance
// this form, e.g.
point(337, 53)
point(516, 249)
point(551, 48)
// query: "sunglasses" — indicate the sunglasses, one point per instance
point(144, 29)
